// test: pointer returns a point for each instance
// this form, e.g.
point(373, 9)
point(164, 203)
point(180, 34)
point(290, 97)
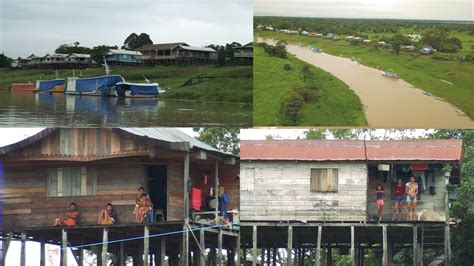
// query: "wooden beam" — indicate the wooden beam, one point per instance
point(219, 248)
point(64, 248)
point(415, 245)
point(202, 251)
point(146, 245)
point(318, 246)
point(23, 249)
point(122, 256)
point(81, 257)
point(185, 251)
point(254, 246)
point(353, 255)
point(290, 245)
point(162, 251)
point(42, 254)
point(216, 188)
point(447, 245)
point(105, 245)
point(237, 249)
point(385, 260)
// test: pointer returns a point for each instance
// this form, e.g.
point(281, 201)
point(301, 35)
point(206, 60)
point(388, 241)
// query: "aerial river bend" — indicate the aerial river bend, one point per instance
point(387, 102)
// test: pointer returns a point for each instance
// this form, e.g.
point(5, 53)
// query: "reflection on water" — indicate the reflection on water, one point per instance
point(387, 102)
point(58, 110)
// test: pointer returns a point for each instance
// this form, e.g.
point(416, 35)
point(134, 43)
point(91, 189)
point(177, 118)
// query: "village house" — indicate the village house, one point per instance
point(244, 54)
point(322, 194)
point(184, 178)
point(122, 57)
point(75, 58)
point(176, 53)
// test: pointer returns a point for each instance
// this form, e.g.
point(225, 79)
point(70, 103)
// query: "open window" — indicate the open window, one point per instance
point(324, 180)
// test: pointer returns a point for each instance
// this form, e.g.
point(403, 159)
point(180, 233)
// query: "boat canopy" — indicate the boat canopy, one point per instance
point(93, 83)
point(138, 88)
point(43, 85)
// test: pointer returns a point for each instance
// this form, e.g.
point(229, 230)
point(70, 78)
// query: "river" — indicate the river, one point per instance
point(388, 103)
point(29, 109)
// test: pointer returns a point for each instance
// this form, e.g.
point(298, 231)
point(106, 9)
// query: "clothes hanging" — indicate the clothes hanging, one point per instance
point(196, 203)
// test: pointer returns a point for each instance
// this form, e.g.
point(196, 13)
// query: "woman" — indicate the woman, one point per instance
point(380, 196)
point(399, 198)
point(143, 208)
point(108, 215)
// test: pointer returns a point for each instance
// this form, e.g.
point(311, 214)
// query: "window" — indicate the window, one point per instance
point(248, 179)
point(323, 180)
point(71, 181)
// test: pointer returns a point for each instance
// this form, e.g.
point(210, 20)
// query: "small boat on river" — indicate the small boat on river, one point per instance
point(137, 90)
point(391, 74)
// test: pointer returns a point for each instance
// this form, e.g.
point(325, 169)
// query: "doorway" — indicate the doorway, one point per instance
point(157, 187)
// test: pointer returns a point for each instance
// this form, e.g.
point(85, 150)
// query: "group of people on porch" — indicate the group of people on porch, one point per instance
point(404, 194)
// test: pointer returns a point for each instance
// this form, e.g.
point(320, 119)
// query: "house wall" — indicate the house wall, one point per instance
point(25, 203)
point(281, 191)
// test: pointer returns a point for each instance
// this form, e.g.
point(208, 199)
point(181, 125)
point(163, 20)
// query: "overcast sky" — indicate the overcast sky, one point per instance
point(393, 9)
point(30, 26)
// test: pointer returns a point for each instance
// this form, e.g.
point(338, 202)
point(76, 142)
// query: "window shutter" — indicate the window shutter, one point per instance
point(248, 176)
point(324, 180)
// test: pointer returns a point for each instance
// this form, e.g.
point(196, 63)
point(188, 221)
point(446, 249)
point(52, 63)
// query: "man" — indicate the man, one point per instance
point(143, 201)
point(411, 191)
point(70, 217)
point(107, 216)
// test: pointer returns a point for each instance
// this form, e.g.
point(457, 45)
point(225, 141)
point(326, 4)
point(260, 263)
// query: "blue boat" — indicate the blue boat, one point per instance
point(137, 90)
point(96, 86)
point(53, 85)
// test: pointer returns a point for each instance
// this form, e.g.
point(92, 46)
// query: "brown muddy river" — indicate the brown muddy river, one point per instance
point(387, 102)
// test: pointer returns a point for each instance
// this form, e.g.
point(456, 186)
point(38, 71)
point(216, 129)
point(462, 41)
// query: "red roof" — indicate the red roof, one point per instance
point(341, 150)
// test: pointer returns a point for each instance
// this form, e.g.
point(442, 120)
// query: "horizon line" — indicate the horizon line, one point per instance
point(445, 20)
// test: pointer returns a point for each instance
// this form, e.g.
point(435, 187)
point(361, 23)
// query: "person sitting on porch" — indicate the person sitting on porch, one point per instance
point(108, 215)
point(142, 208)
point(412, 191)
point(70, 217)
point(399, 199)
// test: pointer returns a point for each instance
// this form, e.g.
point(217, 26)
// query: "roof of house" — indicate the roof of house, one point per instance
point(161, 46)
point(55, 55)
point(250, 44)
point(122, 51)
point(200, 49)
point(353, 150)
point(79, 55)
point(170, 135)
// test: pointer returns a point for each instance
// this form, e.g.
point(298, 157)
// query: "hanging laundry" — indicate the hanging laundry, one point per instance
point(406, 168)
point(205, 179)
point(419, 167)
point(196, 203)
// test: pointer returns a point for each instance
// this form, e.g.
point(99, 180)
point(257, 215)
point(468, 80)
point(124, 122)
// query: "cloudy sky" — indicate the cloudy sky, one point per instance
point(30, 26)
point(394, 9)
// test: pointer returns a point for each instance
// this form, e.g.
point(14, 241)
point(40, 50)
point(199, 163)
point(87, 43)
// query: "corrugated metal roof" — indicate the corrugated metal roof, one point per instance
point(341, 150)
point(200, 49)
point(121, 51)
point(161, 46)
point(79, 55)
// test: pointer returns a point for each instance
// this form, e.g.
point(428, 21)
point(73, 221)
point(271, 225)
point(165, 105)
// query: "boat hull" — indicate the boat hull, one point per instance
point(55, 85)
point(23, 87)
point(94, 86)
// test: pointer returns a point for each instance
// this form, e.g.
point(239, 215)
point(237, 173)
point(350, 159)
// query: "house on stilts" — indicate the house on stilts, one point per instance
point(43, 174)
point(318, 197)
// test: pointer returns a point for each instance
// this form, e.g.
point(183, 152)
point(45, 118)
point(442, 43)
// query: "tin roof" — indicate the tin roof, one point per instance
point(122, 51)
point(200, 49)
point(161, 46)
point(355, 150)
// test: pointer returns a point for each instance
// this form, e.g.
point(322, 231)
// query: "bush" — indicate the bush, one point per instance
point(290, 108)
point(287, 67)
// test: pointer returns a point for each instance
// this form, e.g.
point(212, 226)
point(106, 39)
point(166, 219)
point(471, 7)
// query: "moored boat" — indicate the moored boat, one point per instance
point(23, 87)
point(137, 90)
point(391, 74)
point(95, 86)
point(53, 85)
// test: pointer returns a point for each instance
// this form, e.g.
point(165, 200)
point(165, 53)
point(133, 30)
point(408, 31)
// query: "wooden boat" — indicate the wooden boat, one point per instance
point(23, 87)
point(391, 74)
point(53, 85)
point(137, 90)
point(93, 86)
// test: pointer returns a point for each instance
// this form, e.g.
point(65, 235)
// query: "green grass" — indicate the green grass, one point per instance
point(170, 78)
point(423, 72)
point(337, 104)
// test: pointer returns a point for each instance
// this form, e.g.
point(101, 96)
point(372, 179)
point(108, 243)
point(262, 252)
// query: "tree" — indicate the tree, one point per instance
point(134, 41)
point(76, 44)
point(229, 50)
point(315, 134)
point(223, 139)
point(305, 72)
point(396, 43)
point(5, 61)
point(290, 108)
point(69, 49)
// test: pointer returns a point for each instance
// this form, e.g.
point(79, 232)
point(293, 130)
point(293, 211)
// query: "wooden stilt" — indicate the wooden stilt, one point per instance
point(447, 246)
point(162, 251)
point(262, 256)
point(216, 192)
point(64, 248)
point(269, 255)
point(237, 249)
point(329, 256)
point(254, 246)
point(122, 255)
point(415, 245)
point(185, 251)
point(202, 242)
point(146, 245)
point(353, 255)
point(290, 245)
point(81, 257)
point(105, 245)
point(274, 256)
point(42, 254)
point(219, 248)
point(23, 249)
point(385, 246)
point(318, 246)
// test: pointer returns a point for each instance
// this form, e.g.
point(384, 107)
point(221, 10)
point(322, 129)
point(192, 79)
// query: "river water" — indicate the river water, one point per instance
point(29, 109)
point(387, 102)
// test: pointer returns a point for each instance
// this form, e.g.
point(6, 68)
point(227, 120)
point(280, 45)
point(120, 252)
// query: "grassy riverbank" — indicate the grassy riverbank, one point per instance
point(441, 74)
point(170, 78)
point(334, 103)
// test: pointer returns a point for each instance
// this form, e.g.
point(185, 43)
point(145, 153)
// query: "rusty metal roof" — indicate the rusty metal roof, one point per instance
point(355, 150)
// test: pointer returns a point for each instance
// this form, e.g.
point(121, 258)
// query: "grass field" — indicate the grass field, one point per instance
point(423, 72)
point(170, 78)
point(337, 104)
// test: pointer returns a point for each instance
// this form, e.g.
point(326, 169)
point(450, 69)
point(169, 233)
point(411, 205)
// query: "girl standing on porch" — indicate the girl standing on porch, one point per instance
point(380, 196)
point(399, 199)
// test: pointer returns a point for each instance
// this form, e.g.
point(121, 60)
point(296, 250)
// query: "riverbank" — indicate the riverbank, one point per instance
point(334, 105)
point(170, 78)
point(424, 72)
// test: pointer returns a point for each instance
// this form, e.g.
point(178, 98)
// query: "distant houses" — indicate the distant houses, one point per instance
point(176, 53)
point(60, 61)
point(122, 57)
point(244, 54)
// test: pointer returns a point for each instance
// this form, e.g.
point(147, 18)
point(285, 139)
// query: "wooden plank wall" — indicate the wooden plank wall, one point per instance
point(81, 142)
point(433, 205)
point(281, 191)
point(26, 205)
point(175, 192)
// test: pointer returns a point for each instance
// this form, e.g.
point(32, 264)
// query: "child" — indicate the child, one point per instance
point(399, 199)
point(380, 196)
point(143, 208)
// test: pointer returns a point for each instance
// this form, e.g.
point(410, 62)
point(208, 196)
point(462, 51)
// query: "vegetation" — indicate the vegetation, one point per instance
point(134, 41)
point(4, 61)
point(225, 53)
point(223, 139)
point(285, 96)
point(447, 75)
point(170, 78)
